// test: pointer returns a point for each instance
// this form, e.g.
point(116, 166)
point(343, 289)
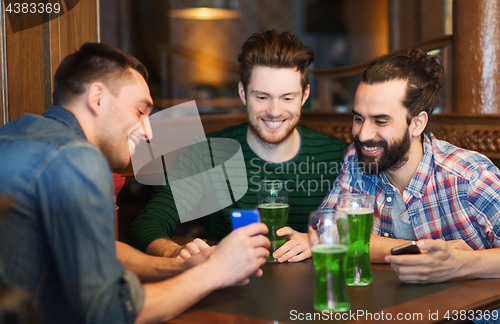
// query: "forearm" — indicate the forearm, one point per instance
point(164, 248)
point(163, 301)
point(148, 268)
point(480, 263)
point(381, 246)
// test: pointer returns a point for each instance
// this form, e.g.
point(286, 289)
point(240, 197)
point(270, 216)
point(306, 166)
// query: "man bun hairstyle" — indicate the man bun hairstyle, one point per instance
point(93, 62)
point(274, 49)
point(422, 72)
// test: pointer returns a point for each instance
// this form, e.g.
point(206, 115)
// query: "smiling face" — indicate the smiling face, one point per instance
point(274, 99)
point(380, 129)
point(118, 131)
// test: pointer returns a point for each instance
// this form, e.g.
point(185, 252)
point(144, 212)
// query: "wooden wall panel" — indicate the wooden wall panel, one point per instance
point(32, 56)
point(25, 73)
point(476, 53)
point(4, 113)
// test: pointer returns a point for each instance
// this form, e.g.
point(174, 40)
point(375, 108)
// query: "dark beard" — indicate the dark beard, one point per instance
point(393, 156)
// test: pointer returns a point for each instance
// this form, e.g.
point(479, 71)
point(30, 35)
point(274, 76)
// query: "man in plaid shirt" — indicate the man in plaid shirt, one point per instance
point(426, 190)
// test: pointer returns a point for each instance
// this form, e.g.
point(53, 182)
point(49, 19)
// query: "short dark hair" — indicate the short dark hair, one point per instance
point(277, 50)
point(93, 62)
point(422, 72)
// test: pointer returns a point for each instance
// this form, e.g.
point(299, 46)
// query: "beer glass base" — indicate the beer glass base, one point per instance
point(271, 260)
point(359, 283)
point(341, 307)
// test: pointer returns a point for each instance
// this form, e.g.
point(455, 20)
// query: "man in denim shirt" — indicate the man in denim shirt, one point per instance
point(59, 241)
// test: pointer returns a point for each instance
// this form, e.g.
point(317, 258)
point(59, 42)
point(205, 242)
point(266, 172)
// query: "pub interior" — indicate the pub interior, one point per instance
point(194, 58)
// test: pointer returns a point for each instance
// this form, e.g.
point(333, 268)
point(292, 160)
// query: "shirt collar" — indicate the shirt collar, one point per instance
point(66, 118)
point(424, 171)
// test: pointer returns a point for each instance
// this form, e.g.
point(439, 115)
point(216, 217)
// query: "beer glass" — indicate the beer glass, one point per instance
point(359, 210)
point(272, 203)
point(329, 238)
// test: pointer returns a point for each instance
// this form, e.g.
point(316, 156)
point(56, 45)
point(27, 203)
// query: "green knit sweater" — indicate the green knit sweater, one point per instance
point(311, 172)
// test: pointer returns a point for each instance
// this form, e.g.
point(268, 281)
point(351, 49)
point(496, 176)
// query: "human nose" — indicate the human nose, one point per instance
point(366, 132)
point(146, 129)
point(275, 110)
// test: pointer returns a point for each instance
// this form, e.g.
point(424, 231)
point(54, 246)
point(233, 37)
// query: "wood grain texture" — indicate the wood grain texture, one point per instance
point(69, 31)
point(25, 71)
point(278, 291)
point(33, 55)
point(476, 31)
point(4, 113)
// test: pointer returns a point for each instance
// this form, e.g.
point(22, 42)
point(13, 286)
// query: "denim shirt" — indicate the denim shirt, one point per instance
point(59, 241)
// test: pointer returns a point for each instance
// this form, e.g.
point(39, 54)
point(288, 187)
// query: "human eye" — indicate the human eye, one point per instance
point(380, 122)
point(288, 99)
point(261, 97)
point(358, 119)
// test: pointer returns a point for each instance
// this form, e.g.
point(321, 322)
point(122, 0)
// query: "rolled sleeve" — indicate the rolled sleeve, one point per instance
point(132, 295)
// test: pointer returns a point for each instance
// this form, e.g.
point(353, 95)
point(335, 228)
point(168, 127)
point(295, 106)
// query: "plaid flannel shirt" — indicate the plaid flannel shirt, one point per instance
point(454, 194)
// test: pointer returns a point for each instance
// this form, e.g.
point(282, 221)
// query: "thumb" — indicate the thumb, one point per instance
point(432, 245)
point(285, 231)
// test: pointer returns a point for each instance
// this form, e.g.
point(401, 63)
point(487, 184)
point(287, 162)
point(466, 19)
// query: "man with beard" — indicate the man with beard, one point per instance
point(58, 240)
point(425, 189)
point(273, 86)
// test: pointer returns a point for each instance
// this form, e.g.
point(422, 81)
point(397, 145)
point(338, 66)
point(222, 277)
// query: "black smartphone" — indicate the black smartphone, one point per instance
point(410, 248)
point(243, 217)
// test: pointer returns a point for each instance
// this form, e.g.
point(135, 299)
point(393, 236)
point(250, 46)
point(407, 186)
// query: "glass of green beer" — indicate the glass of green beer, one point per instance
point(329, 238)
point(272, 199)
point(359, 210)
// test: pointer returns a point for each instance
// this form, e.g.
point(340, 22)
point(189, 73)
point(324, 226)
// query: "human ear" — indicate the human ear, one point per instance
point(241, 92)
point(95, 98)
point(307, 91)
point(418, 123)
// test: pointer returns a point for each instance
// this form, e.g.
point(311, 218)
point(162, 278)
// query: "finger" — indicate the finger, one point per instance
point(433, 245)
point(261, 252)
point(285, 231)
point(301, 256)
point(184, 254)
point(407, 260)
point(258, 273)
point(284, 249)
point(291, 253)
point(191, 248)
point(417, 274)
point(200, 244)
point(413, 278)
point(252, 229)
point(260, 241)
point(243, 282)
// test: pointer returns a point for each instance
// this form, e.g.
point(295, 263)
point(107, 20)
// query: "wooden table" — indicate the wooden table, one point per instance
point(285, 294)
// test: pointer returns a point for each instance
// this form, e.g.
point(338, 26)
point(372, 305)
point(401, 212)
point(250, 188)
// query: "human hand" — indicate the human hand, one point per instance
point(441, 262)
point(460, 245)
point(192, 248)
point(296, 247)
point(240, 254)
point(198, 258)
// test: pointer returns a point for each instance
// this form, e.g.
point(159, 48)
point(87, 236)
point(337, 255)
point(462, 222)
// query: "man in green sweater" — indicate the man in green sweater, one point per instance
point(273, 86)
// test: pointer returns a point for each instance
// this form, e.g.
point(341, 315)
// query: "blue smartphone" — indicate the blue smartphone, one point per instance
point(243, 217)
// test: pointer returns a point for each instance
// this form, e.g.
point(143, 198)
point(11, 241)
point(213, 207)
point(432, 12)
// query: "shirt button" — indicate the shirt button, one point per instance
point(389, 199)
point(386, 234)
